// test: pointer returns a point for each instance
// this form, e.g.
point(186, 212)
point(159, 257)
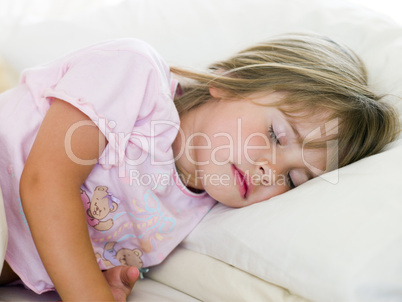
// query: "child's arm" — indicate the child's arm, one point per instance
point(50, 193)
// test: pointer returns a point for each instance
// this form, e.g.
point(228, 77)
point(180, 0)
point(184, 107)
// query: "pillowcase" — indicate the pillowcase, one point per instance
point(208, 279)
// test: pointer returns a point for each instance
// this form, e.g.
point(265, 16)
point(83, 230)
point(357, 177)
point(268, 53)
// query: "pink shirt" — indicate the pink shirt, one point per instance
point(137, 209)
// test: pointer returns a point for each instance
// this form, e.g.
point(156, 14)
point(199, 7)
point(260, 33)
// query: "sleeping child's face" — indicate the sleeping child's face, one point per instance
point(243, 152)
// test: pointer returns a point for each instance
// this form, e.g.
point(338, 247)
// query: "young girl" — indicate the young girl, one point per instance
point(108, 163)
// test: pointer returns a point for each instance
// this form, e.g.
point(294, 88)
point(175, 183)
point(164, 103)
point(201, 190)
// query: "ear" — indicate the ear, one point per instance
point(216, 93)
point(115, 206)
point(137, 252)
point(101, 188)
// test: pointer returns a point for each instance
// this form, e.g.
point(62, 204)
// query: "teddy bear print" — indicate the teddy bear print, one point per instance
point(98, 207)
point(114, 255)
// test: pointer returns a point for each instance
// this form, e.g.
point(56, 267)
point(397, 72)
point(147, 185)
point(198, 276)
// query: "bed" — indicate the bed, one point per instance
point(335, 238)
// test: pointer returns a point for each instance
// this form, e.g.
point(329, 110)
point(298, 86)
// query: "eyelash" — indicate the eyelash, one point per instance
point(275, 139)
point(290, 182)
point(272, 135)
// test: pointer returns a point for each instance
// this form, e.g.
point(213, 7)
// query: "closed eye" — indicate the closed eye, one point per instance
point(273, 135)
point(290, 182)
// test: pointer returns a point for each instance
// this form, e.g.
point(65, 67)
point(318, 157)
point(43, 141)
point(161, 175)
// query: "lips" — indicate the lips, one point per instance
point(241, 182)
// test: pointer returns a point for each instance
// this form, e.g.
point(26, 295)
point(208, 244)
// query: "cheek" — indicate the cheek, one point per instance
point(216, 149)
point(256, 145)
point(239, 146)
point(221, 189)
point(222, 150)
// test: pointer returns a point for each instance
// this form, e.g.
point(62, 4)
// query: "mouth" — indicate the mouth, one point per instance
point(240, 181)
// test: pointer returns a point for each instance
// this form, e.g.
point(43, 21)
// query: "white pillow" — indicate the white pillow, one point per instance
point(338, 239)
point(208, 279)
point(328, 240)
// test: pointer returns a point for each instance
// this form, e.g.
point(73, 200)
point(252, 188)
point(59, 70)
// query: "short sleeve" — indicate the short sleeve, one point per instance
point(117, 85)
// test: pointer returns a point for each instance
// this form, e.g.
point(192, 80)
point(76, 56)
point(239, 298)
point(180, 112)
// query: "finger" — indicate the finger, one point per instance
point(121, 280)
point(129, 275)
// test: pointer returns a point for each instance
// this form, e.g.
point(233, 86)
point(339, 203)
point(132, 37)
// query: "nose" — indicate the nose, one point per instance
point(264, 175)
point(269, 173)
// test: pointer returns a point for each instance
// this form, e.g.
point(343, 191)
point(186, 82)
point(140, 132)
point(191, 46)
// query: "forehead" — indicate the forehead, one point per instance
point(312, 123)
point(305, 121)
point(268, 98)
point(314, 129)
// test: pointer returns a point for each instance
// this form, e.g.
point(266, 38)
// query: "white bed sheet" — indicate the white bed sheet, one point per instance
point(146, 290)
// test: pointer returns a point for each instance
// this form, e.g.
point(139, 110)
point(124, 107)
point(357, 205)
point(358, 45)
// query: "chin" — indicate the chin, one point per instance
point(234, 204)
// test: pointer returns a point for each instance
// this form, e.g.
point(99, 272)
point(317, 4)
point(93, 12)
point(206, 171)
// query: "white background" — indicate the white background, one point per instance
point(392, 8)
point(40, 8)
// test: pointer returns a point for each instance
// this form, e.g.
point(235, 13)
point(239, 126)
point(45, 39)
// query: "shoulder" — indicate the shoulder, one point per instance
point(138, 50)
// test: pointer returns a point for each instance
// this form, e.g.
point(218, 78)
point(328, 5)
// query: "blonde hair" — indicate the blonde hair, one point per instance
point(318, 76)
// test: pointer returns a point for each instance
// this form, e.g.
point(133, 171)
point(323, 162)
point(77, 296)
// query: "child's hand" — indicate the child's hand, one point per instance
point(121, 280)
